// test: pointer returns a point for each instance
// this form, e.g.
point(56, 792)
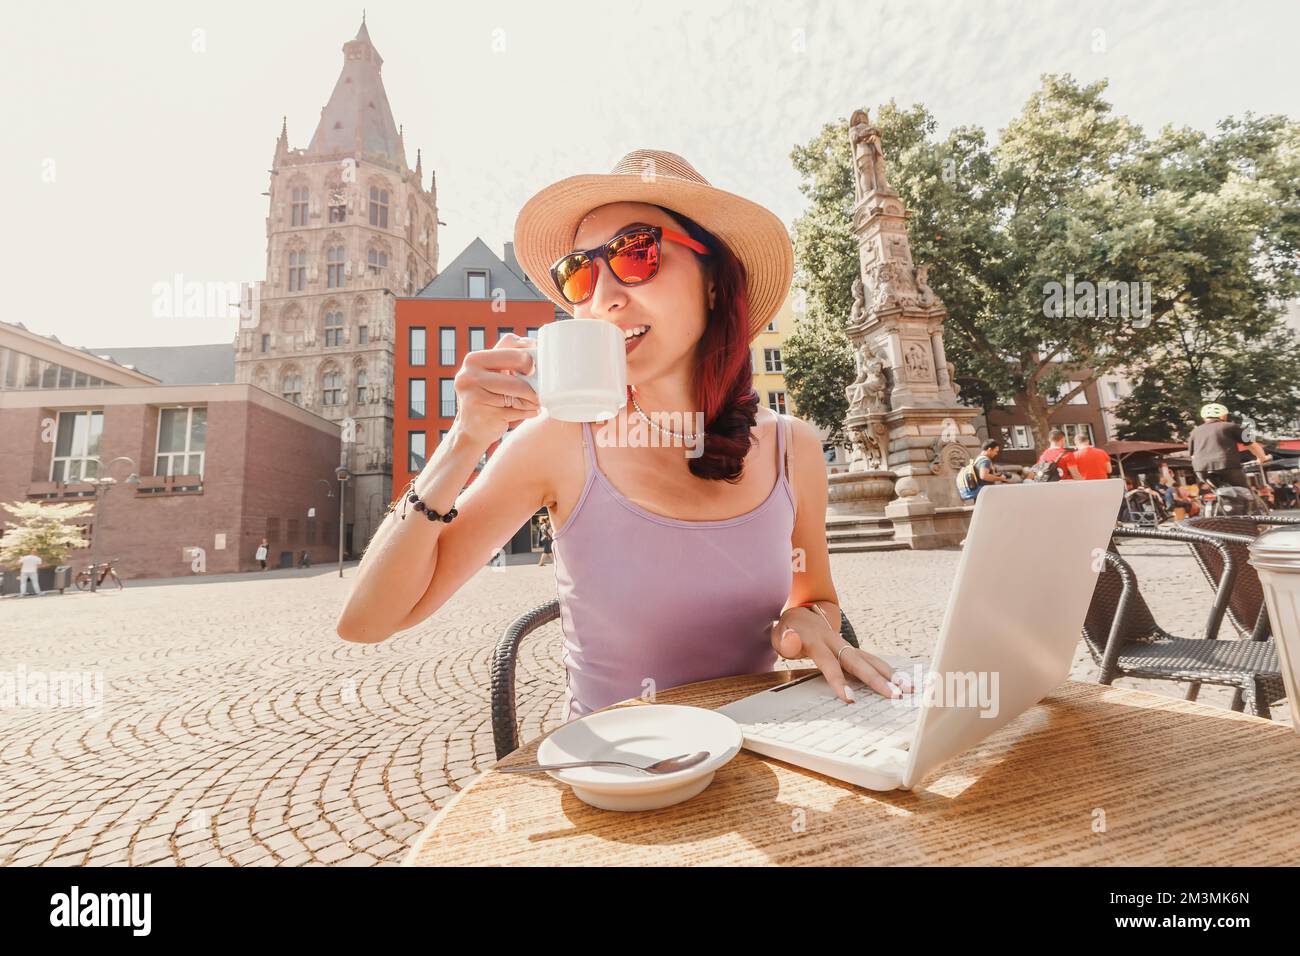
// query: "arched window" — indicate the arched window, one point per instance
point(298, 270)
point(291, 387)
point(298, 206)
point(333, 329)
point(379, 207)
point(362, 379)
point(376, 261)
point(291, 320)
point(332, 388)
point(334, 267)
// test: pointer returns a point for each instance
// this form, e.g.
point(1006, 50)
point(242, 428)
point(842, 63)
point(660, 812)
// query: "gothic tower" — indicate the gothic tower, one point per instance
point(350, 227)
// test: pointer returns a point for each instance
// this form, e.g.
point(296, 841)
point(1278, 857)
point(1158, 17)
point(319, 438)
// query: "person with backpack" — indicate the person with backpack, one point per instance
point(1086, 463)
point(980, 472)
point(1049, 467)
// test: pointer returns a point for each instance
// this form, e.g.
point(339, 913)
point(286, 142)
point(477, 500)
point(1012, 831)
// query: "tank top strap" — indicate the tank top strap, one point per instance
point(782, 462)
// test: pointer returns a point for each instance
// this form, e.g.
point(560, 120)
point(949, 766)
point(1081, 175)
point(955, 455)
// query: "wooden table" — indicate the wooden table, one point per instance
point(1092, 775)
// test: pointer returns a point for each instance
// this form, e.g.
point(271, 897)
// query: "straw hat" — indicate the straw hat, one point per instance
point(548, 221)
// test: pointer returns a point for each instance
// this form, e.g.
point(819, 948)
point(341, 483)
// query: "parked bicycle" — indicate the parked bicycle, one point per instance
point(105, 571)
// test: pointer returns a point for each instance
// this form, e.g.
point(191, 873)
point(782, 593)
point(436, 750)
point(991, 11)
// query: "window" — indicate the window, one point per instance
point(362, 391)
point(1080, 399)
point(477, 285)
point(379, 207)
point(416, 452)
point(334, 267)
point(332, 391)
point(771, 326)
point(182, 440)
point(363, 335)
point(376, 261)
point(532, 332)
point(1073, 431)
point(477, 340)
point(266, 342)
point(776, 402)
point(772, 360)
point(76, 446)
point(1113, 391)
point(447, 346)
point(1017, 436)
point(417, 346)
point(447, 397)
point(415, 387)
point(298, 207)
point(503, 331)
point(442, 435)
point(297, 271)
point(333, 329)
point(291, 388)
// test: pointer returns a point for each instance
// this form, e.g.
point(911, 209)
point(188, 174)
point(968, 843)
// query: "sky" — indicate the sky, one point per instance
point(139, 136)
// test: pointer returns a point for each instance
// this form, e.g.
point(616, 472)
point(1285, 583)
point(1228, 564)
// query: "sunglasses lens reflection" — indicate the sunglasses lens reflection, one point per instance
point(634, 257)
point(573, 275)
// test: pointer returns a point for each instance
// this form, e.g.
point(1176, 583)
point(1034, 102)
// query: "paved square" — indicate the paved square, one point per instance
point(236, 728)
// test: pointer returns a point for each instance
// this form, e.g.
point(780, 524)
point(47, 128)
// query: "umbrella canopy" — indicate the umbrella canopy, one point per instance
point(1125, 448)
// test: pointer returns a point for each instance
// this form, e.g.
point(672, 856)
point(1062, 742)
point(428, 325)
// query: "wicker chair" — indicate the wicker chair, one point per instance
point(1124, 639)
point(505, 727)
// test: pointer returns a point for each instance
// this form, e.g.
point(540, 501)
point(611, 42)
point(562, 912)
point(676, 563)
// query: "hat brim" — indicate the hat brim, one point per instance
point(546, 225)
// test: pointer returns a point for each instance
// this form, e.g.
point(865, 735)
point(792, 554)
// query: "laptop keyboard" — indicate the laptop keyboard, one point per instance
point(830, 726)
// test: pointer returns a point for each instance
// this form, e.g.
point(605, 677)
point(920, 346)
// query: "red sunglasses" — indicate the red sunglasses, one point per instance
point(632, 257)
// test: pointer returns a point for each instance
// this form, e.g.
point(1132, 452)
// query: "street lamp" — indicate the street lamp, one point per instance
point(102, 487)
point(342, 474)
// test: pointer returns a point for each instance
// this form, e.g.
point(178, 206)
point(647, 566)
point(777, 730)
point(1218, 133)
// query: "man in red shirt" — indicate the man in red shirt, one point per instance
point(1056, 451)
point(1085, 462)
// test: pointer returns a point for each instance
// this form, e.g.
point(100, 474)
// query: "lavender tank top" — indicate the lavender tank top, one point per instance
point(648, 598)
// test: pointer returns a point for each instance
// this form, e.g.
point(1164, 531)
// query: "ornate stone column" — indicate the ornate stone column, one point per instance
point(904, 419)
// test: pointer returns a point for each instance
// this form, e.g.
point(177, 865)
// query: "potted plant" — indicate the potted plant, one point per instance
point(46, 530)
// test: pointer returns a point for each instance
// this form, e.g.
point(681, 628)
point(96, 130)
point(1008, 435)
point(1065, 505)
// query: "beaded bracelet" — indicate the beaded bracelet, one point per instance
point(410, 497)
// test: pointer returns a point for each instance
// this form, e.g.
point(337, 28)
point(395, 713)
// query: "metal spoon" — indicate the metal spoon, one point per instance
point(668, 765)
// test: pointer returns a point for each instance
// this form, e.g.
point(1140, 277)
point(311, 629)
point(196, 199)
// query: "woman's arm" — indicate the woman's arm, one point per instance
point(800, 631)
point(412, 565)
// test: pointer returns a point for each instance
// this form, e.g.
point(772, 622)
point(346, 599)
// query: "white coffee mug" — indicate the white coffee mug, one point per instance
point(579, 369)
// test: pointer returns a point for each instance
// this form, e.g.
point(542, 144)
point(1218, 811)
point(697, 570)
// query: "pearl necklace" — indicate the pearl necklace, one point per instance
point(657, 428)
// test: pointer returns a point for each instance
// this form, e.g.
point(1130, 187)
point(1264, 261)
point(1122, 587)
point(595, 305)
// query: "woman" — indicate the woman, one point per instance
point(671, 567)
point(260, 557)
point(544, 539)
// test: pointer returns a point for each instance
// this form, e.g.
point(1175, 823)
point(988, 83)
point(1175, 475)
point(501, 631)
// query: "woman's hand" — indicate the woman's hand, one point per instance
point(802, 633)
point(484, 381)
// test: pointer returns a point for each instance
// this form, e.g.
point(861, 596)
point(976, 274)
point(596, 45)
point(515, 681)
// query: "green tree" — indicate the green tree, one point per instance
point(1071, 192)
point(46, 530)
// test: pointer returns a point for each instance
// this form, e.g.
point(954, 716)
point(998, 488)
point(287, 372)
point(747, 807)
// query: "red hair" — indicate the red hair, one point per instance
point(724, 378)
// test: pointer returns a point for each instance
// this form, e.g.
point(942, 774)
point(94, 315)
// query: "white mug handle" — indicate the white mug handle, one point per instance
point(532, 378)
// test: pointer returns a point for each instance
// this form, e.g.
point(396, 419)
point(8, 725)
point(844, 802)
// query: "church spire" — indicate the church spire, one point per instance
point(419, 168)
point(357, 120)
point(282, 144)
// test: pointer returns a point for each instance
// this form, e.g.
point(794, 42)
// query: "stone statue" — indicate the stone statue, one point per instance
point(865, 453)
point(870, 388)
point(892, 282)
point(868, 157)
point(952, 380)
point(916, 362)
point(858, 314)
point(925, 295)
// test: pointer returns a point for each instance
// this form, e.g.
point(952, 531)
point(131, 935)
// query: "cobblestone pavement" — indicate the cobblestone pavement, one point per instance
point(236, 728)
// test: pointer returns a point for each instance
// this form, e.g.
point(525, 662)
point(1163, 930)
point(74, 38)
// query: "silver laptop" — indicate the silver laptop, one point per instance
point(1014, 618)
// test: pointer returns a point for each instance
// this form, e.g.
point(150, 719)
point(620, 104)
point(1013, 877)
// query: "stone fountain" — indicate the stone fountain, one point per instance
point(909, 434)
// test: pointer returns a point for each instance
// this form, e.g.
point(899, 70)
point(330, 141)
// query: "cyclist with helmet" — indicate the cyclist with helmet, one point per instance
point(1213, 448)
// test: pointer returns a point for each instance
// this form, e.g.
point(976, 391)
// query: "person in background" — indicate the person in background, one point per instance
point(1086, 463)
point(544, 538)
point(262, 550)
point(27, 568)
point(984, 470)
point(1055, 451)
point(1212, 446)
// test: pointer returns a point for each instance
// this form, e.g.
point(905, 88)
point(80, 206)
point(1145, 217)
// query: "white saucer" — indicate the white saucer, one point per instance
point(641, 735)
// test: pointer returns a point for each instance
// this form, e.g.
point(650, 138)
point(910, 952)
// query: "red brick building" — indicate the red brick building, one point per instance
point(1084, 413)
point(218, 466)
point(472, 303)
